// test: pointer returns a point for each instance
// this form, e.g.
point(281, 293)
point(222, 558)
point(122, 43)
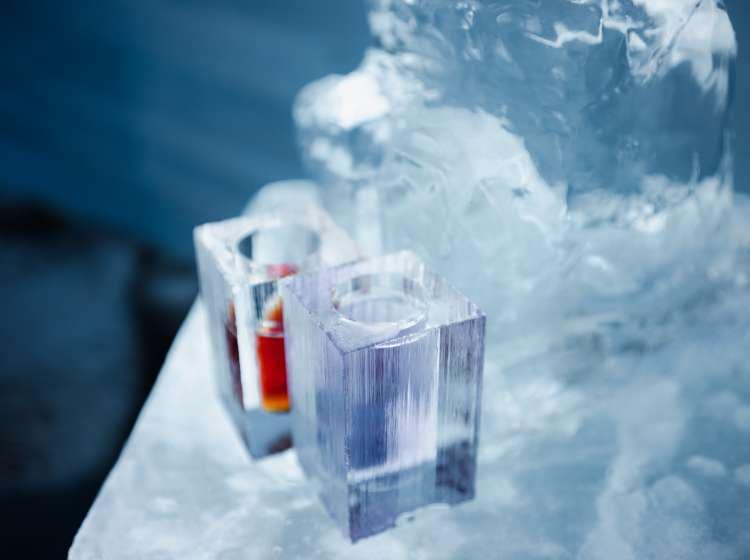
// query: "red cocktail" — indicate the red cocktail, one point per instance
point(269, 345)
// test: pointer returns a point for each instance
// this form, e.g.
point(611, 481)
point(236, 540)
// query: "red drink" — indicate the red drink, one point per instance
point(269, 344)
point(269, 341)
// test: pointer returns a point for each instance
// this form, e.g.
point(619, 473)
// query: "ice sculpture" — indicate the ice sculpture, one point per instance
point(550, 158)
point(385, 367)
point(566, 165)
point(240, 261)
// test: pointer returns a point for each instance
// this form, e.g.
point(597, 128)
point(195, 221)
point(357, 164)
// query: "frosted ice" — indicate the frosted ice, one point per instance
point(564, 164)
point(584, 454)
point(385, 369)
point(550, 158)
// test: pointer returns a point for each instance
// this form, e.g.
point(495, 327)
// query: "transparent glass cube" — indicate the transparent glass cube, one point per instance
point(240, 262)
point(385, 364)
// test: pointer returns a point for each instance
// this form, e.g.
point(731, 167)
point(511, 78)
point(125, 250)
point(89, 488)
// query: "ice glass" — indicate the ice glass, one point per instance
point(240, 262)
point(385, 366)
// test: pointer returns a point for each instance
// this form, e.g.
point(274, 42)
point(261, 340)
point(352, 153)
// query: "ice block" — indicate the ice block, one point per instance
point(240, 261)
point(385, 366)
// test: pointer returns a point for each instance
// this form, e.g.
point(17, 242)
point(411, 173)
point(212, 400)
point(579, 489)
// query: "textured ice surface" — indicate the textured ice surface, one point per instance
point(550, 158)
point(565, 164)
point(586, 452)
point(385, 369)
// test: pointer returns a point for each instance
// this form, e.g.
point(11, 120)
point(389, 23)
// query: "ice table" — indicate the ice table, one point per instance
point(634, 459)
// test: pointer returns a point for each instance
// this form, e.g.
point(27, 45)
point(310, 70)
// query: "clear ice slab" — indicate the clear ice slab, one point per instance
point(551, 159)
point(240, 262)
point(646, 458)
point(385, 368)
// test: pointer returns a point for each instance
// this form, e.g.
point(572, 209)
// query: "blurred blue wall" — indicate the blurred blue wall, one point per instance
point(152, 116)
point(739, 10)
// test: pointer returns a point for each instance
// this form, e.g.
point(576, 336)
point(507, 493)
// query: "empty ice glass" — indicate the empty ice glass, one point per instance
point(385, 365)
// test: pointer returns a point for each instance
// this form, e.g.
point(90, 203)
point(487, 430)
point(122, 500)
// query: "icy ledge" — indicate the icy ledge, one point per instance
point(649, 458)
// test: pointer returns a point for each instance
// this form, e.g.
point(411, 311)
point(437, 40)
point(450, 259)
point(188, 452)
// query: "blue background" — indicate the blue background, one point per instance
point(150, 117)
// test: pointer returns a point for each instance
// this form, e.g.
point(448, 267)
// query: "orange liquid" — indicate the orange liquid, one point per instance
point(269, 344)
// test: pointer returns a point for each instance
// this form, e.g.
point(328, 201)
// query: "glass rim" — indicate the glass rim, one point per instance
point(375, 286)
